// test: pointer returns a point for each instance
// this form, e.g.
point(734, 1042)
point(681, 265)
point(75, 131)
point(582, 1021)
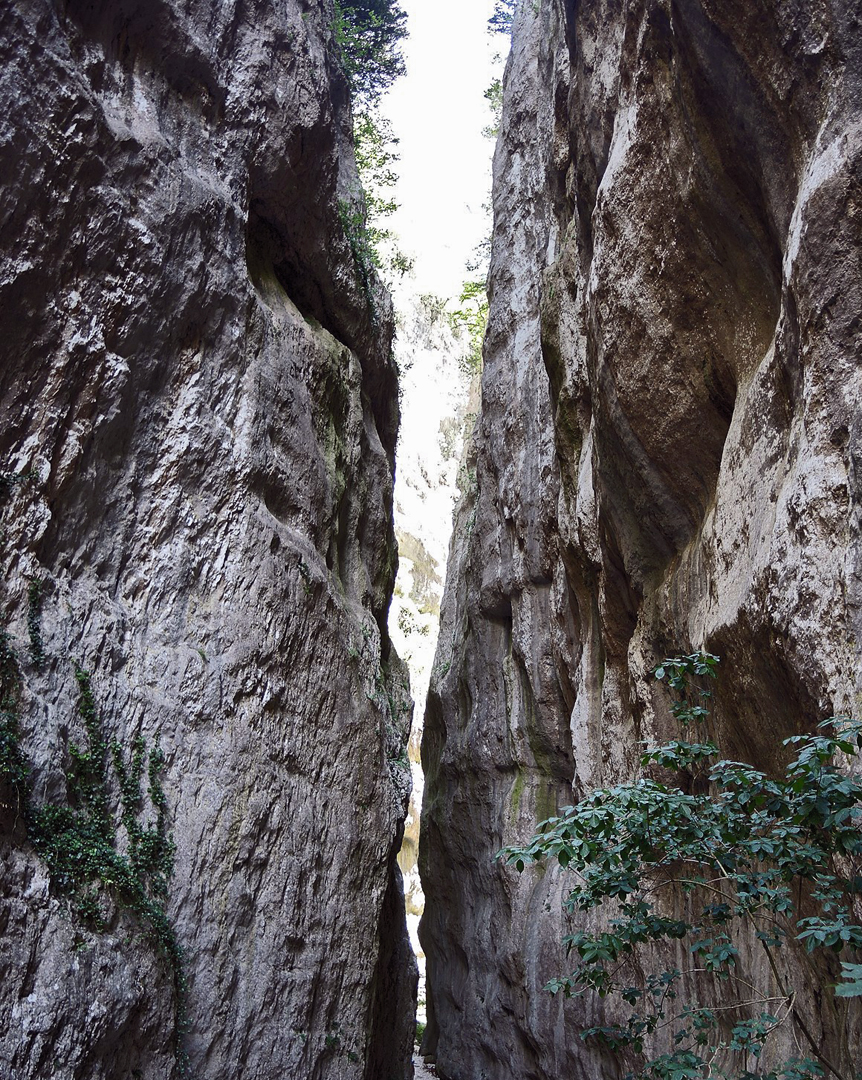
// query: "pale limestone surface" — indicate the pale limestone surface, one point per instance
point(665, 459)
point(203, 385)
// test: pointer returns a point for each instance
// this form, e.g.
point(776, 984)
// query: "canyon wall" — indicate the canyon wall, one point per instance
point(199, 413)
point(665, 459)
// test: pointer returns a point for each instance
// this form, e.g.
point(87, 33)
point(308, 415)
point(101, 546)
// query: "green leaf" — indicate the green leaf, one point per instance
point(852, 985)
point(760, 842)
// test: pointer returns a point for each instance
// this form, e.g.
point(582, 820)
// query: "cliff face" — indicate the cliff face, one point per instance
point(199, 413)
point(665, 458)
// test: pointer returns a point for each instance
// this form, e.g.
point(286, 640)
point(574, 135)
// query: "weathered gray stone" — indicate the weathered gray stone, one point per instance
point(666, 458)
point(199, 375)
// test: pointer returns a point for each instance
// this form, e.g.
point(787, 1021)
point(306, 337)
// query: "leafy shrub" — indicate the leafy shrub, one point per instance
point(79, 844)
point(501, 21)
point(14, 771)
point(369, 33)
point(376, 156)
point(469, 321)
point(722, 853)
point(494, 96)
point(78, 840)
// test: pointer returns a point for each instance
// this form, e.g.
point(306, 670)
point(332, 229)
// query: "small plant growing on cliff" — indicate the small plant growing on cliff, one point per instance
point(14, 773)
point(692, 868)
point(77, 840)
point(494, 96)
point(469, 321)
point(365, 258)
point(34, 621)
point(9, 481)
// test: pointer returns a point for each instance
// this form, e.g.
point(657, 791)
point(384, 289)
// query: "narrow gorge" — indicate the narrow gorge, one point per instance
point(205, 757)
point(665, 461)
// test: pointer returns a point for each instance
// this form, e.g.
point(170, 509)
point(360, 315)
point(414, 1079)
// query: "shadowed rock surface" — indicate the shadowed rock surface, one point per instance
point(665, 459)
point(197, 383)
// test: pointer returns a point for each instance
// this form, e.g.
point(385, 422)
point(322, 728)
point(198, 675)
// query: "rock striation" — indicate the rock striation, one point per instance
point(666, 458)
point(198, 415)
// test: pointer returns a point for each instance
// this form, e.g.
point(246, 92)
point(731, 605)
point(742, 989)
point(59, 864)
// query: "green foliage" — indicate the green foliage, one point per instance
point(150, 852)
point(373, 247)
point(376, 156)
point(469, 321)
point(14, 772)
point(494, 97)
point(79, 841)
point(501, 21)
point(504, 15)
point(9, 481)
point(13, 767)
point(721, 854)
point(307, 579)
point(369, 35)
point(852, 985)
point(365, 258)
point(34, 622)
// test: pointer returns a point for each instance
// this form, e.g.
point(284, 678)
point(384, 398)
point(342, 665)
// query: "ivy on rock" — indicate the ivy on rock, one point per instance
point(78, 840)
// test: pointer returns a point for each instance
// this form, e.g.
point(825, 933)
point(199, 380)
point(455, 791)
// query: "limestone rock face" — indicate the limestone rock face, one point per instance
point(665, 458)
point(198, 414)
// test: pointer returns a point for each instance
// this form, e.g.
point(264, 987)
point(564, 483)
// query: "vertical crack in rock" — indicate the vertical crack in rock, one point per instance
point(666, 457)
point(198, 414)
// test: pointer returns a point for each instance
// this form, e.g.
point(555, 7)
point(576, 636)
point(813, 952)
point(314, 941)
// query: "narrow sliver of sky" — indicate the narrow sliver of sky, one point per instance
point(438, 111)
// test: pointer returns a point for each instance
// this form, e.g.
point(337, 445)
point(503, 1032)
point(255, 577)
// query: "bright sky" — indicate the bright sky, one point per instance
point(438, 111)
